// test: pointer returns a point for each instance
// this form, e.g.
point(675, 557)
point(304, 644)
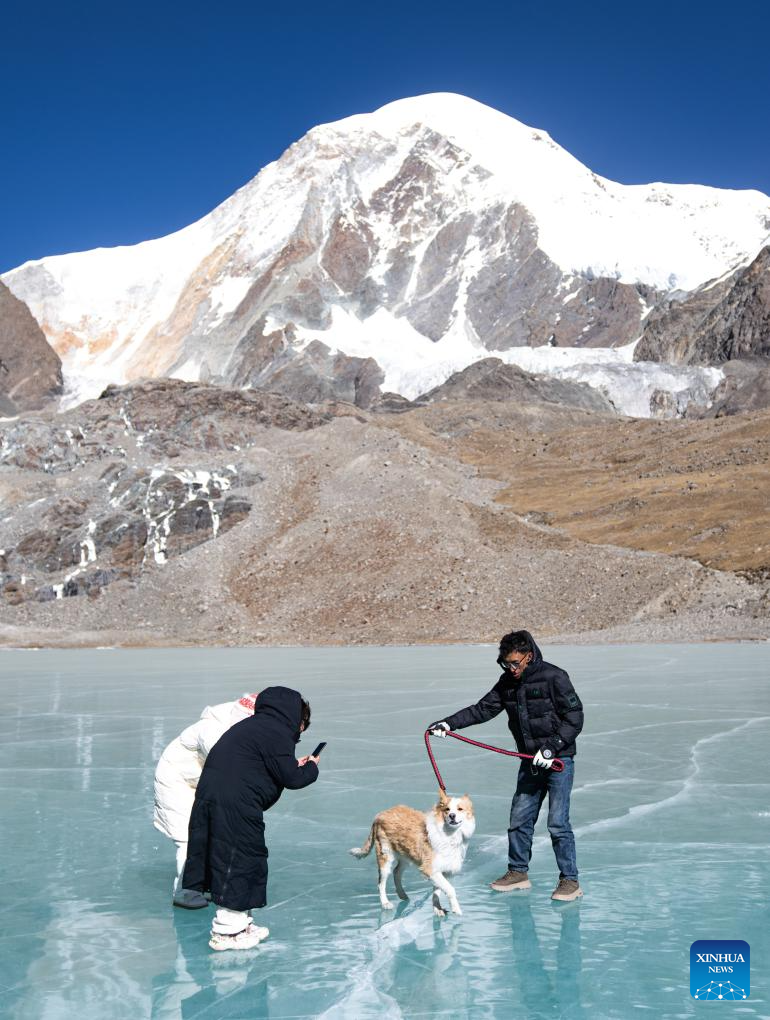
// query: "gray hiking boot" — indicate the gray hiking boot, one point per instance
point(190, 899)
point(567, 889)
point(511, 881)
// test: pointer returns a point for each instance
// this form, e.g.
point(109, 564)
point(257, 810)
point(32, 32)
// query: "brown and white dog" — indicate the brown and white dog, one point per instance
point(434, 841)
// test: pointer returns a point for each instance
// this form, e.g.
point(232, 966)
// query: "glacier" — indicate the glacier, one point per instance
point(413, 364)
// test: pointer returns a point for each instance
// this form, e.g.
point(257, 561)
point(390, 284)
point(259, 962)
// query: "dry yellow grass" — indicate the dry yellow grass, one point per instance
point(699, 489)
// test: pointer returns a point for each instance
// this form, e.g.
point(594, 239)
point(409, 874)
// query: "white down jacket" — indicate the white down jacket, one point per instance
point(181, 764)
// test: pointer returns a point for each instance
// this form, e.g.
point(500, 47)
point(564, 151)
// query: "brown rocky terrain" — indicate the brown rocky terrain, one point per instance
point(491, 379)
point(695, 489)
point(746, 387)
point(267, 361)
point(721, 321)
point(176, 513)
point(30, 370)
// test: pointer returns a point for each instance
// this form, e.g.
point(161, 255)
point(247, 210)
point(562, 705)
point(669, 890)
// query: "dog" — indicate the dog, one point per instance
point(434, 841)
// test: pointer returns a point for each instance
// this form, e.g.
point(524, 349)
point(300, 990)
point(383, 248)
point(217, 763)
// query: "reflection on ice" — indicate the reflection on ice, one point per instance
point(669, 808)
point(415, 962)
point(84, 747)
point(83, 945)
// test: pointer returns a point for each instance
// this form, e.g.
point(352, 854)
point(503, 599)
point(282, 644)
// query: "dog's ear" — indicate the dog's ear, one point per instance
point(442, 797)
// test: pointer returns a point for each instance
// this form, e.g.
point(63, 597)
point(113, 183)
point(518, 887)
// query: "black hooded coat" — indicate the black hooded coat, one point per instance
point(543, 708)
point(245, 773)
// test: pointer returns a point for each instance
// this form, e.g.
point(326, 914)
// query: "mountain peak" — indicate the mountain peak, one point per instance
point(440, 110)
point(421, 236)
point(492, 138)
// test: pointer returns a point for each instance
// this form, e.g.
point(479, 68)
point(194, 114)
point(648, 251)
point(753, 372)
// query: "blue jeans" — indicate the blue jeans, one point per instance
point(531, 788)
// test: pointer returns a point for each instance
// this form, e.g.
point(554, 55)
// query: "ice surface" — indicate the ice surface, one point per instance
point(670, 810)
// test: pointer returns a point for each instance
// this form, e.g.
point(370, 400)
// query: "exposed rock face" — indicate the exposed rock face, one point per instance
point(719, 322)
point(311, 374)
point(508, 292)
point(43, 446)
point(168, 411)
point(151, 516)
point(521, 298)
point(669, 330)
point(392, 403)
point(746, 388)
point(315, 375)
point(30, 370)
point(491, 379)
point(134, 511)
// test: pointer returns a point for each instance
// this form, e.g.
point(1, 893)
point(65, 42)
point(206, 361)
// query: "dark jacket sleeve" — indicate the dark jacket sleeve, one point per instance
point(569, 710)
point(484, 710)
point(291, 775)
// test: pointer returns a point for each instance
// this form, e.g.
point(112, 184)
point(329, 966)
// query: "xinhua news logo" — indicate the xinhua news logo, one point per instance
point(719, 969)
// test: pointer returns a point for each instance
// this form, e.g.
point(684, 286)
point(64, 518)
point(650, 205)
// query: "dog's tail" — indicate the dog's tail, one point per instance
point(363, 851)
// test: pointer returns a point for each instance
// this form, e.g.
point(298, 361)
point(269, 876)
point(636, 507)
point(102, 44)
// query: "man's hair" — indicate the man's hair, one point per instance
point(516, 641)
point(305, 713)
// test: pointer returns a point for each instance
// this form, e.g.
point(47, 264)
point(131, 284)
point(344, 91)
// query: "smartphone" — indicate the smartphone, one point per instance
point(318, 750)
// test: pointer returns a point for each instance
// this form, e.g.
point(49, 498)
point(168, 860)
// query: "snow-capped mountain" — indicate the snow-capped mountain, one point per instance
point(423, 236)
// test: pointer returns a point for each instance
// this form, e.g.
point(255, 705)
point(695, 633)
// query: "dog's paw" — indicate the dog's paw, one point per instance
point(386, 904)
point(439, 911)
point(456, 909)
point(403, 896)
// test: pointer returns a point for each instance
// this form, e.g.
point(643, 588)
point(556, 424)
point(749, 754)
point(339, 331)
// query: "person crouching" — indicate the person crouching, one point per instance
point(245, 773)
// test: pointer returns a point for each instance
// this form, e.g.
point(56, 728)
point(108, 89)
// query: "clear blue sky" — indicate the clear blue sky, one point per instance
point(122, 122)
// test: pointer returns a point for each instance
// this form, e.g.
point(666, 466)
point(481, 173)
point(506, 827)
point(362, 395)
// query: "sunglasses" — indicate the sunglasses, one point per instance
point(512, 665)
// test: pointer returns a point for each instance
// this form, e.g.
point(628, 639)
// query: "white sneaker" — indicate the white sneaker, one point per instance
point(246, 939)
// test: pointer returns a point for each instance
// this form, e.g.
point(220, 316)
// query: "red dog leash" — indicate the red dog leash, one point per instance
point(558, 764)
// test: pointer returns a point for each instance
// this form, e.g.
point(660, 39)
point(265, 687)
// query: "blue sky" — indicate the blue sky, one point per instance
point(124, 122)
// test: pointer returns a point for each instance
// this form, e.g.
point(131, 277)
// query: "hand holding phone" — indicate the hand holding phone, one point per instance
point(318, 750)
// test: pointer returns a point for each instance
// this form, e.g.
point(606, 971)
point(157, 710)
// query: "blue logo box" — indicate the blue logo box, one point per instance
point(719, 969)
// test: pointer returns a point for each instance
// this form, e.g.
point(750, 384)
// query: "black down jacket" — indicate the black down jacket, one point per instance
point(245, 773)
point(543, 708)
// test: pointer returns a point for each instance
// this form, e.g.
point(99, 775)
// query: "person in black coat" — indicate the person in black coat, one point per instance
point(545, 716)
point(245, 773)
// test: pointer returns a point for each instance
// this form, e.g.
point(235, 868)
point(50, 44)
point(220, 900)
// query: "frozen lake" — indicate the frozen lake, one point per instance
point(671, 810)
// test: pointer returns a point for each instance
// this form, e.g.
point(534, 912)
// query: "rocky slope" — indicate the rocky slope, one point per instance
point(30, 370)
point(696, 489)
point(117, 491)
point(492, 379)
point(725, 320)
point(423, 236)
point(170, 512)
point(746, 388)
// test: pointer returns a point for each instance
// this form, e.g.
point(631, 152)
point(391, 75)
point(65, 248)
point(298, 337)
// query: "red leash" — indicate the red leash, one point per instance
point(558, 764)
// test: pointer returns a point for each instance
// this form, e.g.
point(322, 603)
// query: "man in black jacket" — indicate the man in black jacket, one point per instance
point(245, 773)
point(545, 716)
